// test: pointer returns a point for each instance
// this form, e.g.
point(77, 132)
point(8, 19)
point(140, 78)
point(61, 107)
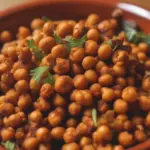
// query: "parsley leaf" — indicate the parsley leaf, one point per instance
point(57, 38)
point(49, 79)
point(94, 116)
point(45, 18)
point(9, 145)
point(36, 50)
point(38, 72)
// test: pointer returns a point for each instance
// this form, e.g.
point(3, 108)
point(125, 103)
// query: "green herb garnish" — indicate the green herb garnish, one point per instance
point(94, 116)
point(57, 39)
point(109, 42)
point(45, 18)
point(36, 50)
point(38, 72)
point(9, 145)
point(49, 79)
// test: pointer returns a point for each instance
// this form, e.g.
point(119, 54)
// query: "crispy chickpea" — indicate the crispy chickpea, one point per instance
point(80, 82)
point(91, 76)
point(45, 146)
point(48, 28)
point(24, 101)
point(99, 66)
point(7, 134)
point(19, 135)
point(143, 47)
point(63, 84)
point(85, 141)
point(74, 108)
point(82, 129)
point(71, 146)
point(89, 147)
point(7, 78)
point(23, 32)
point(77, 54)
point(59, 100)
point(22, 86)
point(120, 106)
point(105, 80)
point(128, 125)
point(142, 56)
point(78, 30)
point(121, 81)
point(62, 66)
point(108, 94)
point(129, 94)
point(5, 36)
point(36, 23)
point(95, 89)
point(93, 34)
point(4, 68)
point(84, 97)
point(43, 134)
point(20, 74)
point(118, 147)
point(118, 125)
point(147, 120)
point(135, 50)
point(71, 122)
point(89, 62)
point(139, 136)
point(104, 26)
point(59, 51)
point(144, 103)
point(102, 106)
point(104, 52)
point(11, 52)
point(119, 69)
point(146, 84)
point(30, 143)
point(34, 86)
point(35, 116)
point(57, 133)
point(125, 139)
point(92, 20)
point(6, 109)
point(46, 91)
point(70, 135)
point(77, 68)
point(46, 44)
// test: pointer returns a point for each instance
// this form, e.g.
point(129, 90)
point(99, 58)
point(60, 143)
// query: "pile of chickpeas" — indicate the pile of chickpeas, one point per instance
point(41, 116)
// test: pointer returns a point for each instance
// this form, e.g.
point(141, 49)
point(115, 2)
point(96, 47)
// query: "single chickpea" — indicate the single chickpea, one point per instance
point(102, 106)
point(125, 139)
point(23, 32)
point(95, 89)
point(144, 103)
point(77, 54)
point(146, 84)
point(74, 108)
point(45, 146)
point(147, 64)
point(108, 94)
point(129, 94)
point(135, 50)
point(147, 120)
point(143, 47)
point(91, 76)
point(77, 68)
point(85, 141)
point(59, 100)
point(6, 109)
point(120, 106)
point(104, 26)
point(93, 34)
point(89, 147)
point(118, 125)
point(37, 23)
point(99, 66)
point(7, 78)
point(46, 44)
point(82, 129)
point(119, 69)
point(5, 36)
point(36, 116)
point(21, 74)
point(121, 81)
point(78, 30)
point(71, 146)
point(139, 136)
point(105, 80)
point(19, 135)
point(11, 52)
point(22, 86)
point(128, 125)
point(34, 86)
point(142, 56)
point(118, 147)
point(104, 52)
point(57, 133)
point(7, 134)
point(4, 87)
point(63, 84)
point(48, 28)
point(89, 62)
point(71, 122)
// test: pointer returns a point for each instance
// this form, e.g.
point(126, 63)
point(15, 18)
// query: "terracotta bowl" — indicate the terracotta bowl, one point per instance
point(13, 17)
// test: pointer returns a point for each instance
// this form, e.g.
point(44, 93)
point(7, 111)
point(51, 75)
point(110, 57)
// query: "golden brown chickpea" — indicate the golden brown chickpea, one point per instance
point(64, 29)
point(19, 135)
point(108, 94)
point(71, 146)
point(12, 96)
point(142, 56)
point(45, 146)
point(46, 44)
point(30, 143)
point(71, 122)
point(11, 52)
point(23, 32)
point(144, 103)
point(91, 48)
point(34, 86)
point(102, 106)
point(46, 90)
point(89, 62)
point(105, 80)
point(147, 120)
point(37, 23)
point(146, 84)
point(125, 139)
point(57, 133)
point(83, 97)
point(43, 134)
point(22, 86)
point(6, 109)
point(4, 87)
point(4, 68)
point(59, 100)
point(82, 129)
point(77, 54)
point(80, 82)
point(62, 66)
point(20, 74)
point(63, 84)
point(7, 78)
point(59, 51)
point(118, 125)
point(77, 69)
point(121, 81)
point(118, 147)
point(2, 58)
point(89, 147)
point(95, 89)
point(5, 36)
point(92, 21)
point(48, 28)
point(120, 106)
point(74, 109)
point(128, 125)
point(139, 136)
point(119, 69)
point(143, 47)
point(24, 101)
point(99, 66)
point(91, 76)
point(104, 26)
point(93, 34)
point(129, 94)
point(135, 50)
point(36, 116)
point(7, 134)
point(104, 51)
point(70, 135)
point(85, 141)
point(78, 30)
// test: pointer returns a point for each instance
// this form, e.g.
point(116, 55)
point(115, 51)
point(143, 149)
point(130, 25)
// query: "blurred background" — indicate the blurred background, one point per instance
point(8, 3)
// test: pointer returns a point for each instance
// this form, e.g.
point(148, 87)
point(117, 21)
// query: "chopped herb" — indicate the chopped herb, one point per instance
point(36, 50)
point(94, 116)
point(50, 79)
point(109, 42)
point(57, 38)
point(113, 44)
point(9, 145)
point(45, 18)
point(72, 42)
point(38, 72)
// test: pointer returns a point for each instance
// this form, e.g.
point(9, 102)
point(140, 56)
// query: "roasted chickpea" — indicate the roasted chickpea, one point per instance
point(118, 147)
point(95, 89)
point(48, 28)
point(77, 68)
point(93, 34)
point(20, 74)
point(92, 20)
point(147, 120)
point(37, 23)
point(6, 109)
point(108, 94)
point(144, 103)
point(91, 76)
point(74, 109)
point(91, 47)
point(36, 116)
point(89, 147)
point(5, 36)
point(105, 80)
point(146, 84)
point(7, 134)
point(57, 133)
point(23, 32)
point(85, 141)
point(78, 30)
point(139, 136)
point(71, 122)
point(71, 146)
point(22, 86)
